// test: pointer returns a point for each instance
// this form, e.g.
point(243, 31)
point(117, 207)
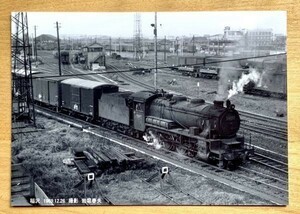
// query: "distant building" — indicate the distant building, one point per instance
point(279, 42)
point(233, 35)
point(94, 55)
point(259, 39)
point(234, 41)
point(216, 44)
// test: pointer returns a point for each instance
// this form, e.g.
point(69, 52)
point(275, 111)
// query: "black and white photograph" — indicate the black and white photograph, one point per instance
point(149, 108)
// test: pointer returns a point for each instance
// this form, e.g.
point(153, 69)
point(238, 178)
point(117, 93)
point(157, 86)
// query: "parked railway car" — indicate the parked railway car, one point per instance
point(207, 72)
point(65, 57)
point(196, 66)
point(251, 88)
point(194, 127)
point(18, 86)
point(47, 90)
point(81, 96)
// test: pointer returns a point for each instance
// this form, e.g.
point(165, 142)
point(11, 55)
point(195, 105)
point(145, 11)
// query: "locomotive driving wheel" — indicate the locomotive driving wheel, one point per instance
point(181, 151)
point(169, 141)
point(187, 149)
point(169, 145)
point(191, 150)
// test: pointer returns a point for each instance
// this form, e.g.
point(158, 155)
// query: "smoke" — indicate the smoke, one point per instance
point(237, 86)
point(260, 82)
point(226, 76)
point(152, 140)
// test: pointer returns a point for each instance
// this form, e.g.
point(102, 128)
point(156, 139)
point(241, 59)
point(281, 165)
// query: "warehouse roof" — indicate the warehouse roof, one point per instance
point(89, 84)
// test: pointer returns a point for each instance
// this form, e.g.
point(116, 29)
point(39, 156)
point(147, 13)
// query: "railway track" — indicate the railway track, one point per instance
point(276, 133)
point(170, 195)
point(269, 162)
point(251, 183)
point(130, 79)
point(261, 124)
point(277, 128)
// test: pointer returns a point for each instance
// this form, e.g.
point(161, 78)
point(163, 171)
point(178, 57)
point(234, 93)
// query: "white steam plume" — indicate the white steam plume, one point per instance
point(152, 140)
point(226, 76)
point(238, 86)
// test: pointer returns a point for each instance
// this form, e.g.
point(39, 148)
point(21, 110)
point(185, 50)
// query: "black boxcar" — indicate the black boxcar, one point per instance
point(47, 90)
point(65, 57)
point(82, 96)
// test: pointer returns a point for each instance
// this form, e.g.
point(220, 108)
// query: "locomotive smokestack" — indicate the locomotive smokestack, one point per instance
point(218, 103)
point(228, 103)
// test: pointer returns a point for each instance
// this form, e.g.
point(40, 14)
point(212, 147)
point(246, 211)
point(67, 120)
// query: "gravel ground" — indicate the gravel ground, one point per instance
point(42, 154)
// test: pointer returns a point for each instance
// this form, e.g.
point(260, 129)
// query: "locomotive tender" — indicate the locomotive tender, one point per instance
point(193, 127)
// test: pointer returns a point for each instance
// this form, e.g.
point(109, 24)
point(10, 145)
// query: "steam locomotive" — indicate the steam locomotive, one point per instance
point(192, 127)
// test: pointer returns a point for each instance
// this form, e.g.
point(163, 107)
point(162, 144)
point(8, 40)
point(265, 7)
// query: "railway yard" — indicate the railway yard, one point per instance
point(153, 174)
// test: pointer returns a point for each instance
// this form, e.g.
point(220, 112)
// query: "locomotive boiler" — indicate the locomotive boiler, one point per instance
point(211, 121)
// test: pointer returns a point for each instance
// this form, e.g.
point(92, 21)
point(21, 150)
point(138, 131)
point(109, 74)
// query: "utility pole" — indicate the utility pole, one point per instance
point(177, 47)
point(35, 48)
point(58, 49)
point(193, 45)
point(218, 47)
point(109, 46)
point(119, 45)
point(155, 49)
point(165, 57)
point(32, 46)
point(182, 46)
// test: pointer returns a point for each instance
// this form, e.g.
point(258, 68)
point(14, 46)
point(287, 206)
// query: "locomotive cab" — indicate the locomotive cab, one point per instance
point(139, 104)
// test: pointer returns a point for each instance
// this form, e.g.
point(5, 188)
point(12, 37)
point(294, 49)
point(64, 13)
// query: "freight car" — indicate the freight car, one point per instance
point(196, 66)
point(65, 57)
point(207, 72)
point(251, 88)
point(193, 127)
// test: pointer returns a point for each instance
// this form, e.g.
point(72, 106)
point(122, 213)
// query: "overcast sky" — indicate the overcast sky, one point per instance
point(169, 23)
